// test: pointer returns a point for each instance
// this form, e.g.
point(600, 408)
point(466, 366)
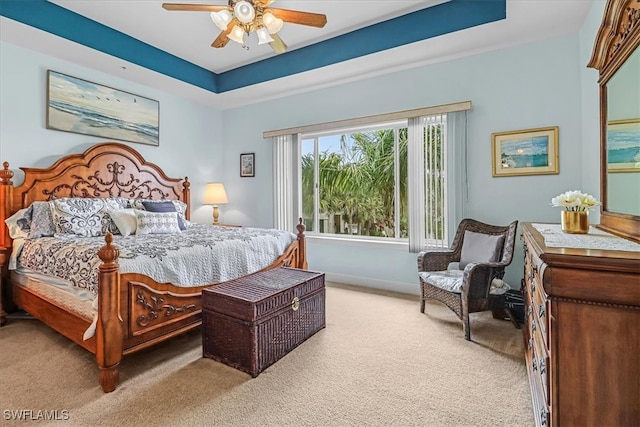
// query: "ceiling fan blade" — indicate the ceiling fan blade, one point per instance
point(277, 44)
point(223, 39)
point(297, 17)
point(194, 7)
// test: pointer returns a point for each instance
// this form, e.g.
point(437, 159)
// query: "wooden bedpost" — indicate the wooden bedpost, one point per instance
point(6, 199)
point(109, 332)
point(186, 196)
point(302, 245)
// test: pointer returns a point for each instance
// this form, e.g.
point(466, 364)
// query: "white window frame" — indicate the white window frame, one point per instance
point(458, 156)
point(347, 131)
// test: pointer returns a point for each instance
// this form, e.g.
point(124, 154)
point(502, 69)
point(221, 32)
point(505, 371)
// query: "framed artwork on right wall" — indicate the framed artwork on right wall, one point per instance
point(525, 152)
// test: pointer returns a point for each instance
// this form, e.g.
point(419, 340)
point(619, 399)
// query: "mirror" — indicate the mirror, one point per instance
point(616, 54)
point(623, 138)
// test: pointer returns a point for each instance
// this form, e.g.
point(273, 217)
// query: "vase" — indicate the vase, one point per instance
point(574, 222)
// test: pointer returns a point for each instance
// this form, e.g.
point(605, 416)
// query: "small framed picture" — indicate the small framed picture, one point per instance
point(247, 165)
point(525, 152)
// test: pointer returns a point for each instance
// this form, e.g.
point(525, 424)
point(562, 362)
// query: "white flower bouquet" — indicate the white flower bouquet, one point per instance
point(575, 200)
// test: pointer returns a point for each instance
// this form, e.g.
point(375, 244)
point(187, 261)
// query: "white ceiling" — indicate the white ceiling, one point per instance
point(166, 30)
point(188, 35)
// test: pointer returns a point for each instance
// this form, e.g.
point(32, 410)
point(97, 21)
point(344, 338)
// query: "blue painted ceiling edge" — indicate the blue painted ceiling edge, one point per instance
point(423, 24)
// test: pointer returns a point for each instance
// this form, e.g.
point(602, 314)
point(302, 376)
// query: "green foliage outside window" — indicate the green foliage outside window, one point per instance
point(357, 184)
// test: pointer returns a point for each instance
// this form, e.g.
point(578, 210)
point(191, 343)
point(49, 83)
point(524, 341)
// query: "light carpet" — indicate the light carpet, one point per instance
point(379, 362)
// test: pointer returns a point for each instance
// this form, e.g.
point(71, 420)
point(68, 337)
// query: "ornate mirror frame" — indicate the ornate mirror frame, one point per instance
point(617, 38)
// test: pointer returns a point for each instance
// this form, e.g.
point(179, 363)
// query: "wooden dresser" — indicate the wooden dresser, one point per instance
point(582, 328)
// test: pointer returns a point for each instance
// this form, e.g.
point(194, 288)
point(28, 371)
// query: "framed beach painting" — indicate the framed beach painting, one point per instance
point(79, 106)
point(525, 152)
point(623, 145)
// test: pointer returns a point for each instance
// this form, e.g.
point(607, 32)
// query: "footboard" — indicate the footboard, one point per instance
point(135, 311)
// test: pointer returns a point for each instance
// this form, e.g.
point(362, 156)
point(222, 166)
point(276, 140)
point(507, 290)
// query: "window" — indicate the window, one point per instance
point(393, 177)
point(354, 182)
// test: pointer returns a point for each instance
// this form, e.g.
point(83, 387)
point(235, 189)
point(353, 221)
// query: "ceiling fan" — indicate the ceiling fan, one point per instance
point(242, 17)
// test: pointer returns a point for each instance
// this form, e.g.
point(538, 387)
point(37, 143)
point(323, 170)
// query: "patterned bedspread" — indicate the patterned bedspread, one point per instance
point(200, 255)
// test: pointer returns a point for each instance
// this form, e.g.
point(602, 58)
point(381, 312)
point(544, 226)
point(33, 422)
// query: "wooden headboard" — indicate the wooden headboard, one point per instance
point(104, 170)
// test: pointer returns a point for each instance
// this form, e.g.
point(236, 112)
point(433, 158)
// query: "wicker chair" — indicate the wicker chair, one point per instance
point(472, 282)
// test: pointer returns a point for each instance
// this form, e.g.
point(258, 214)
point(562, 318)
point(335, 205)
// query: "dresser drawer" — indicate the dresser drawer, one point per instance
point(540, 365)
point(537, 303)
point(536, 359)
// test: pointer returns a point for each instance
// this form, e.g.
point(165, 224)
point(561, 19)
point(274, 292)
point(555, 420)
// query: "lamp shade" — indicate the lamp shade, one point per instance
point(263, 36)
point(221, 18)
point(236, 34)
point(272, 23)
point(214, 194)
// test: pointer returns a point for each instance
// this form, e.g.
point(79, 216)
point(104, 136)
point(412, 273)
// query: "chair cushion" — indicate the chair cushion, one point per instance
point(450, 280)
point(478, 247)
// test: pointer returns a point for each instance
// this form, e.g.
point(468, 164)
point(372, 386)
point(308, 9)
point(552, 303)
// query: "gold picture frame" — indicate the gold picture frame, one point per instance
point(623, 145)
point(525, 152)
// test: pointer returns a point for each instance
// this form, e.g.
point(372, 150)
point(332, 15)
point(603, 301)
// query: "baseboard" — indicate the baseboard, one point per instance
point(367, 282)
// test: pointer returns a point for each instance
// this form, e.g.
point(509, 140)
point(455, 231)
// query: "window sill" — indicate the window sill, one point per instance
point(398, 244)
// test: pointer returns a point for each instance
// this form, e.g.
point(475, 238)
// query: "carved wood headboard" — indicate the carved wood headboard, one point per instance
point(104, 170)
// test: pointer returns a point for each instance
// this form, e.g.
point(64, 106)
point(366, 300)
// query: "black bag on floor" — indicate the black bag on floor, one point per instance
point(514, 302)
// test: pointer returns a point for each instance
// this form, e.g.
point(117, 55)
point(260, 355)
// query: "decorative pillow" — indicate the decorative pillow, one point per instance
point(19, 223)
point(41, 220)
point(478, 247)
point(114, 203)
point(117, 202)
point(124, 219)
point(156, 222)
point(164, 206)
point(82, 216)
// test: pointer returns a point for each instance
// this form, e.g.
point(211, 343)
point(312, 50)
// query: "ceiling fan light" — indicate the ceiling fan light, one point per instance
point(267, 18)
point(274, 26)
point(272, 23)
point(263, 36)
point(237, 34)
point(244, 11)
point(221, 19)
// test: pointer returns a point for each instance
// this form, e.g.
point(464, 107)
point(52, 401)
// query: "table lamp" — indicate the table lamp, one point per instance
point(215, 195)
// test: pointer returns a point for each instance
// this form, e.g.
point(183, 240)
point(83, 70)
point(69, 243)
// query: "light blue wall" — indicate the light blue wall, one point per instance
point(590, 108)
point(190, 134)
point(530, 86)
point(536, 85)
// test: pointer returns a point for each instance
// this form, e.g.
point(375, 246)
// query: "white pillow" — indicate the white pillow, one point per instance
point(156, 222)
point(19, 224)
point(125, 220)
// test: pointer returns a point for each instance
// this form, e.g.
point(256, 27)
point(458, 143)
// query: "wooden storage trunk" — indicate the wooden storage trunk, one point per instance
point(251, 322)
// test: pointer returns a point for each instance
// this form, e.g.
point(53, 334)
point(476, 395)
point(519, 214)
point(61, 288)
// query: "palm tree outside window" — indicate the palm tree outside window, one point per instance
point(355, 181)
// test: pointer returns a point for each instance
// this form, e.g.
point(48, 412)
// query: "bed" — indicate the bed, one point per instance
point(131, 311)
